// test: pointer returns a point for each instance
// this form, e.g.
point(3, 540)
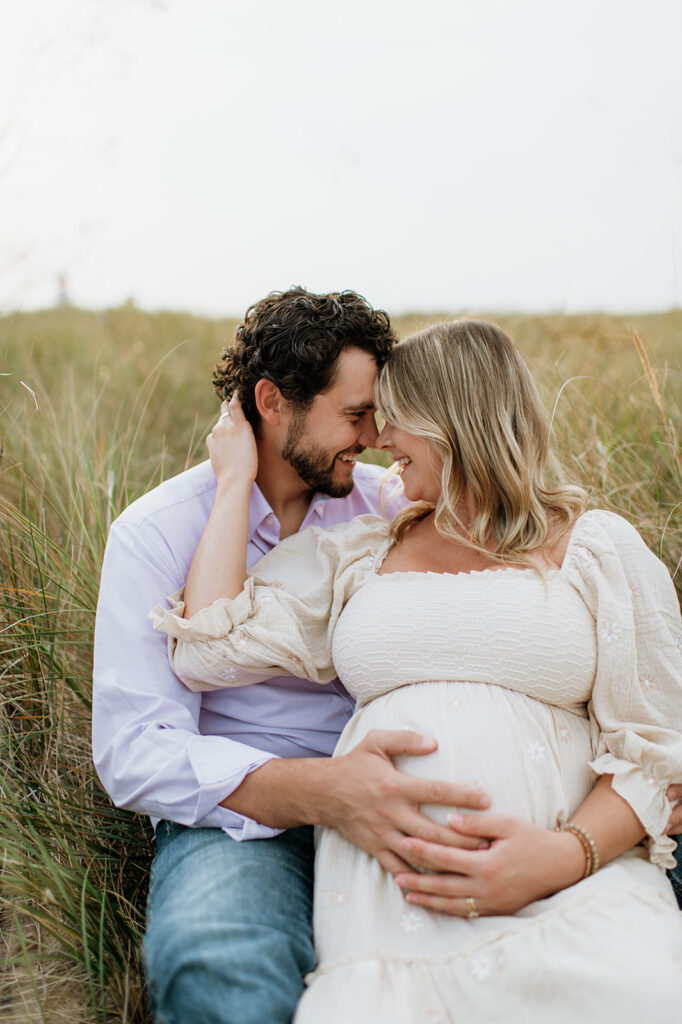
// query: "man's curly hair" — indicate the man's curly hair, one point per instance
point(294, 339)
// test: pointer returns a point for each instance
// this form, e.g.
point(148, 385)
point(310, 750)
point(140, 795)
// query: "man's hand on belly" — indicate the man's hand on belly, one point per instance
point(361, 794)
point(376, 807)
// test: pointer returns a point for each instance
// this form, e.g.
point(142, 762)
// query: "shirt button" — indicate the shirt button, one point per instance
point(318, 510)
point(270, 520)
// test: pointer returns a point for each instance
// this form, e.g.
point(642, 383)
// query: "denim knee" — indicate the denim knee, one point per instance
point(229, 927)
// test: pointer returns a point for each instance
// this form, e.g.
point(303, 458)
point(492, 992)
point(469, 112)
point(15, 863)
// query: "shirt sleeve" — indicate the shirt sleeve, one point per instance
point(147, 747)
point(282, 623)
point(636, 703)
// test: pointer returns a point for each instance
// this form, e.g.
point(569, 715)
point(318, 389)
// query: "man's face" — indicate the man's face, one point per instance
point(323, 442)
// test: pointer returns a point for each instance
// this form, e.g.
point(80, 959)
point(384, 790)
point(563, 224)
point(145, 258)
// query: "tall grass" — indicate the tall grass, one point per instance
point(122, 401)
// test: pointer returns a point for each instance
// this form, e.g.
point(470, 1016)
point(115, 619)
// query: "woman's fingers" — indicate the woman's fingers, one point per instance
point(232, 445)
point(490, 826)
point(234, 407)
point(457, 895)
point(454, 906)
point(417, 826)
point(434, 857)
point(437, 885)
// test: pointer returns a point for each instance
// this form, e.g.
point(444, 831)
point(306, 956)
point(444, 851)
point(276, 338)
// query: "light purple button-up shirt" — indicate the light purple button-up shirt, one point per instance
point(159, 748)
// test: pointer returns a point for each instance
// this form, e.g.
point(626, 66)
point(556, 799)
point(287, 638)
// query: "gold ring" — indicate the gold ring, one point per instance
point(471, 904)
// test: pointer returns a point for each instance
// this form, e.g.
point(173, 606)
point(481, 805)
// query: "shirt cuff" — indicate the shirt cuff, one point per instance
point(237, 826)
point(216, 780)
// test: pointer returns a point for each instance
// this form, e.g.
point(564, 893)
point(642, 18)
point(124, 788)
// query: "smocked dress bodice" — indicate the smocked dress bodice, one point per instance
point(509, 627)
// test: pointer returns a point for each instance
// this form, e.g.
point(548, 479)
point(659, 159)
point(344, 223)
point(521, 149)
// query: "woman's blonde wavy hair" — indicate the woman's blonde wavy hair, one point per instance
point(464, 387)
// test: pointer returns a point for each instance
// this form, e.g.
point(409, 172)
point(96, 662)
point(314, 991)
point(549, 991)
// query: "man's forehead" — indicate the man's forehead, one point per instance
point(353, 384)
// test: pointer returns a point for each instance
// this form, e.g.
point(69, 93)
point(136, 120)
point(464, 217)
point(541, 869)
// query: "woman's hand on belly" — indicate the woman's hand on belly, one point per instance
point(523, 863)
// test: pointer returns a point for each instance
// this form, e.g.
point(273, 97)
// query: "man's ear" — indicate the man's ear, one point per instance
point(270, 401)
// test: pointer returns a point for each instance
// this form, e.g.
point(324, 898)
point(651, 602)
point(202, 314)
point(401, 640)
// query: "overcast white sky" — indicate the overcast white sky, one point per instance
point(440, 154)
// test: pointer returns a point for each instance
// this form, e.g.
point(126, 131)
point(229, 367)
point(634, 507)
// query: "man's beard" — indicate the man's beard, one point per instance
point(313, 463)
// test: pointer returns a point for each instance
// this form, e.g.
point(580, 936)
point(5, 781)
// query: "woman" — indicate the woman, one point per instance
point(539, 643)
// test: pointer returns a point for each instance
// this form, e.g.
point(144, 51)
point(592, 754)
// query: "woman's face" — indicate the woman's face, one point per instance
point(419, 465)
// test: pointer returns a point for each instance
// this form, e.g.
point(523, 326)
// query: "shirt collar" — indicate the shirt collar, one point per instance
point(260, 510)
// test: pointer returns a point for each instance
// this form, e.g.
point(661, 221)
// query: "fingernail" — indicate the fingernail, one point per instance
point(426, 742)
point(484, 801)
point(406, 844)
point(411, 898)
point(455, 819)
point(485, 845)
point(401, 880)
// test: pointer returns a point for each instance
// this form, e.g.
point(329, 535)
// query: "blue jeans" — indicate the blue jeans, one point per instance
point(229, 926)
point(675, 875)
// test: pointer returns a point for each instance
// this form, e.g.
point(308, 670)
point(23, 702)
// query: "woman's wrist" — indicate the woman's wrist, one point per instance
point(568, 859)
point(232, 488)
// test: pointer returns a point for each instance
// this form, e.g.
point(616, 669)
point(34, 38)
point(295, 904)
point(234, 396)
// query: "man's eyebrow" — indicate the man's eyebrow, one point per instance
point(367, 407)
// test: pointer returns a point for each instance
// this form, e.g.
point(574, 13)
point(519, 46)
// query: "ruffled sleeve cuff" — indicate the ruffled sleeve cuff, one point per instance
point(210, 623)
point(646, 796)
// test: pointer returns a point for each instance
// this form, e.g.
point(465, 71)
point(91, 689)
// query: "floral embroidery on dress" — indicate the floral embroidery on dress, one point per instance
point(264, 598)
point(339, 898)
point(228, 674)
point(536, 751)
point(240, 641)
point(646, 681)
point(564, 734)
point(412, 920)
point(610, 632)
point(481, 966)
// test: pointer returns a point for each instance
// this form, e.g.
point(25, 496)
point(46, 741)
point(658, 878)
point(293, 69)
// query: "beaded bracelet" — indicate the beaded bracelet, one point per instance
point(588, 845)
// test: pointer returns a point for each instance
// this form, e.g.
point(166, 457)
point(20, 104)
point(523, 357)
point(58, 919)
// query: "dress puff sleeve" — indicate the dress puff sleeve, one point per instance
point(283, 621)
point(636, 703)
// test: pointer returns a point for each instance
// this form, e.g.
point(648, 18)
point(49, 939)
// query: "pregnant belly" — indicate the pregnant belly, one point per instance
point(530, 758)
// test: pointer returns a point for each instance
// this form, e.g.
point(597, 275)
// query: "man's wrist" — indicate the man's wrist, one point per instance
point(283, 792)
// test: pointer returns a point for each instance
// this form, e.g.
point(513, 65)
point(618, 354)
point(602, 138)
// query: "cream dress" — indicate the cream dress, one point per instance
point(532, 685)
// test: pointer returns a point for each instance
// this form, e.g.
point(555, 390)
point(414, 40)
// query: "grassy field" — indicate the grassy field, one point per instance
point(96, 409)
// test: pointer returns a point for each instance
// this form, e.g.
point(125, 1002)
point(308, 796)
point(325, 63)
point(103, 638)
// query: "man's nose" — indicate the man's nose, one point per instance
point(368, 436)
point(383, 439)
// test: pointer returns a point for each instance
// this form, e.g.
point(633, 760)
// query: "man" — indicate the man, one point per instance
point(229, 921)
